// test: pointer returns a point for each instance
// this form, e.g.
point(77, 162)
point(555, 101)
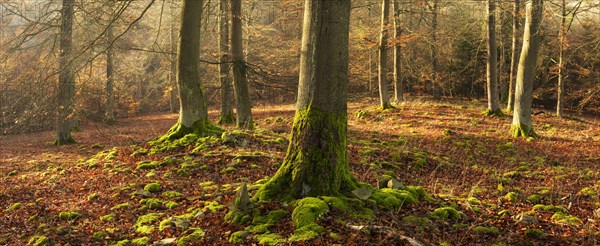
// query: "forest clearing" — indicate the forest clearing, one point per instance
point(462, 159)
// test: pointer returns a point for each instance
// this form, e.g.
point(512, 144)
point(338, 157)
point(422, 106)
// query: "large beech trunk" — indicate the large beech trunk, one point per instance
point(384, 97)
point(66, 77)
point(316, 162)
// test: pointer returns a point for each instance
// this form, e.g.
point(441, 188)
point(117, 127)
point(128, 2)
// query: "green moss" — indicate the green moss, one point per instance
point(123, 242)
point(511, 196)
point(306, 213)
point(522, 131)
point(495, 113)
point(416, 220)
point(152, 187)
point(171, 205)
point(588, 192)
point(144, 223)
point(99, 235)
point(92, 197)
point(213, 206)
point(473, 201)
point(145, 229)
point(38, 240)
point(239, 237)
point(392, 199)
point(549, 208)
point(108, 217)
point(337, 203)
point(270, 239)
point(534, 199)
point(69, 215)
point(141, 241)
point(193, 238)
point(446, 213)
point(229, 170)
point(486, 230)
point(226, 119)
point(513, 175)
point(151, 203)
point(534, 233)
point(120, 206)
point(565, 219)
point(189, 134)
point(171, 194)
point(14, 206)
point(12, 173)
point(417, 191)
point(147, 165)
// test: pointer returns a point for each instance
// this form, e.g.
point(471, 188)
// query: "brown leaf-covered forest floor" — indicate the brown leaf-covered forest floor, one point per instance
point(462, 158)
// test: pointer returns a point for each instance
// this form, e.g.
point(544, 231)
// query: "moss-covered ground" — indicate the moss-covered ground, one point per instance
point(480, 185)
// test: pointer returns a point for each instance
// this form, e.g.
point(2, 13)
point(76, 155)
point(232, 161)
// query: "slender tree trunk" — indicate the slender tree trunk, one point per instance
point(317, 159)
point(522, 125)
point(516, 43)
point(109, 115)
point(193, 112)
point(244, 111)
point(398, 90)
point(384, 98)
point(66, 80)
point(173, 102)
point(434, 51)
point(561, 45)
point(492, 65)
point(227, 101)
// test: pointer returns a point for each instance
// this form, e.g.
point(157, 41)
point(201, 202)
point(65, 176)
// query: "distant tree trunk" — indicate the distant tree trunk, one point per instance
point(244, 107)
point(384, 98)
point(522, 125)
point(66, 80)
point(193, 113)
point(227, 101)
point(492, 64)
point(515, 55)
point(173, 65)
point(398, 90)
point(317, 159)
point(561, 45)
point(109, 115)
point(434, 51)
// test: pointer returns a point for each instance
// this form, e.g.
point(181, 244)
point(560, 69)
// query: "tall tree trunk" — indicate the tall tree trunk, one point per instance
point(66, 80)
point(244, 107)
point(492, 64)
point(193, 112)
point(317, 159)
point(521, 124)
point(384, 98)
point(109, 115)
point(561, 45)
point(173, 102)
point(227, 101)
point(516, 43)
point(434, 51)
point(398, 90)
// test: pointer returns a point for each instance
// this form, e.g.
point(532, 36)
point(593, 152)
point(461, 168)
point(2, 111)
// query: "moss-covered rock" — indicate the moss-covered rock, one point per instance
point(194, 237)
point(108, 217)
point(38, 240)
point(239, 237)
point(416, 220)
point(392, 199)
point(565, 219)
point(120, 206)
point(486, 229)
point(151, 203)
point(152, 187)
point(14, 206)
point(306, 213)
point(71, 215)
point(511, 196)
point(141, 241)
point(270, 239)
point(446, 213)
point(535, 233)
point(212, 206)
point(549, 208)
point(98, 235)
point(144, 223)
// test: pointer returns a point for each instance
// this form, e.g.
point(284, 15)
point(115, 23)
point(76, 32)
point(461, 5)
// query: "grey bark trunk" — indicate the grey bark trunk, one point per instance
point(492, 64)
point(317, 159)
point(244, 111)
point(561, 45)
point(66, 80)
point(522, 125)
point(109, 115)
point(384, 97)
point(191, 97)
point(173, 102)
point(434, 51)
point(516, 43)
point(227, 99)
point(398, 89)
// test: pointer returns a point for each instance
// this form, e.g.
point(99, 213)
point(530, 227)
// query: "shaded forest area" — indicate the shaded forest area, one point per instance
point(217, 122)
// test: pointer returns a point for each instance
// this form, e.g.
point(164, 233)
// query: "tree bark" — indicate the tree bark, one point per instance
point(384, 97)
point(434, 52)
point(317, 159)
point(398, 90)
point(109, 115)
point(516, 43)
point(522, 125)
point(66, 80)
point(193, 113)
point(243, 105)
point(227, 101)
point(173, 102)
point(492, 64)
point(561, 45)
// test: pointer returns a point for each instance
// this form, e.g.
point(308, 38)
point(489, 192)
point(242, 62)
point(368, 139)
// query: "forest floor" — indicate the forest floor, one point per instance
point(507, 191)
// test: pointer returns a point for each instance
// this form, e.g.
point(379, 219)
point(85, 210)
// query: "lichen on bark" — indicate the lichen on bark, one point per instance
point(316, 162)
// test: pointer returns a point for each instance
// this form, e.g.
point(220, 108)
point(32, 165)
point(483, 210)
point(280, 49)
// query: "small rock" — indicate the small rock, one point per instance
point(166, 241)
point(362, 193)
point(396, 184)
point(525, 219)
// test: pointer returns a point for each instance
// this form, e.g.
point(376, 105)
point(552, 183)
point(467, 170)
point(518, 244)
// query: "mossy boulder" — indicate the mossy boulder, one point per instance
point(152, 187)
point(565, 219)
point(72, 215)
point(486, 230)
point(38, 240)
point(194, 237)
point(141, 241)
point(416, 220)
point(306, 213)
point(393, 199)
point(446, 213)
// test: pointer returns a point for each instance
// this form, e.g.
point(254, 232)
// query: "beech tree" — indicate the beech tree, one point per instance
point(240, 81)
point(492, 63)
point(193, 113)
point(521, 124)
point(66, 78)
point(316, 162)
point(109, 115)
point(516, 43)
point(398, 91)
point(384, 97)
point(227, 100)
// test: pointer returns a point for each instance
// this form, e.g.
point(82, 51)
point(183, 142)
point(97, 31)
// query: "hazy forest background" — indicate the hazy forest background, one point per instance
point(475, 183)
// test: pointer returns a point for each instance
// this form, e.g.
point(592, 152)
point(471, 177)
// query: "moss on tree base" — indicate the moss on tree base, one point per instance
point(386, 105)
point(200, 128)
point(226, 119)
point(496, 113)
point(316, 162)
point(522, 131)
point(65, 141)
